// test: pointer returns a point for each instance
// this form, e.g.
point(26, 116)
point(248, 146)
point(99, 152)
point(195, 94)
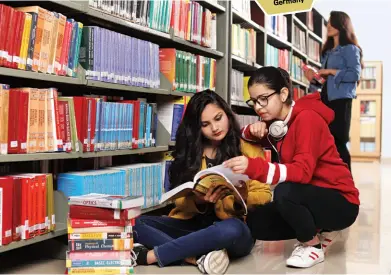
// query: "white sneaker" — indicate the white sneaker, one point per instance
point(215, 262)
point(328, 238)
point(305, 256)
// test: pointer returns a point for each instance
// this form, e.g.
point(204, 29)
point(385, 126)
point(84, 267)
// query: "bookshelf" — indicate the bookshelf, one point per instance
point(263, 32)
point(366, 126)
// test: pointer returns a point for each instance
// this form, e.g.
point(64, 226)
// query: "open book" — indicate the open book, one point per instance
point(204, 179)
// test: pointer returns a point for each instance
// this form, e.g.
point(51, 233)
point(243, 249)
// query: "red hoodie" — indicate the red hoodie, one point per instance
point(307, 153)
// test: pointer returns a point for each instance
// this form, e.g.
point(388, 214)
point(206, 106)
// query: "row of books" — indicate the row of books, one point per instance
point(299, 39)
point(243, 7)
point(192, 22)
point(27, 207)
point(314, 49)
point(277, 57)
point(278, 25)
point(128, 60)
point(100, 234)
point(368, 84)
point(153, 14)
point(141, 179)
point(35, 39)
point(298, 92)
point(244, 43)
point(246, 119)
point(368, 73)
point(186, 72)
point(188, 19)
point(239, 90)
point(296, 69)
point(38, 120)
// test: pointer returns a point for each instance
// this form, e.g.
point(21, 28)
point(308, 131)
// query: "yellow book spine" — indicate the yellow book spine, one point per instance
point(25, 41)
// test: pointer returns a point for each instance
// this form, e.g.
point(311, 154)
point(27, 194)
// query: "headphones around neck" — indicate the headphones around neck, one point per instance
point(279, 128)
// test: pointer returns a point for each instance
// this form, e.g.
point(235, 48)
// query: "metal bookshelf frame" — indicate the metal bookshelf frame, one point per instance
point(225, 63)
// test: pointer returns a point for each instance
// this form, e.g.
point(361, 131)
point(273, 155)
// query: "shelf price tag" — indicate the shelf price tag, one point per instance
point(274, 7)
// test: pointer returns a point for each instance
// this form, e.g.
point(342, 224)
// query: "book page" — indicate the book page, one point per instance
point(180, 191)
point(227, 173)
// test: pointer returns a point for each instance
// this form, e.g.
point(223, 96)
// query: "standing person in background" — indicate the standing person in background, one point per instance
point(341, 67)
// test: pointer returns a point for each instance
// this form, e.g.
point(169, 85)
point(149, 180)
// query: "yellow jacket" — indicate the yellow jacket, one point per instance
point(258, 193)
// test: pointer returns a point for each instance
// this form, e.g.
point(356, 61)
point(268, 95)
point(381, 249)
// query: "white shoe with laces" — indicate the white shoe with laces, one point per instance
point(215, 262)
point(305, 256)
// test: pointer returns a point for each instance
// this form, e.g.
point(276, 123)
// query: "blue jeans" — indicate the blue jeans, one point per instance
point(174, 240)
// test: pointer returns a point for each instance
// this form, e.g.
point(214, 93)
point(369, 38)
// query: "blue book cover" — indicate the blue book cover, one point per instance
point(130, 124)
point(141, 129)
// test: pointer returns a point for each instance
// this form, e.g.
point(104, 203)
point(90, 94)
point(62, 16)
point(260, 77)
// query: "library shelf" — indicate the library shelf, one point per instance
point(313, 62)
point(79, 6)
point(124, 152)
point(298, 22)
point(277, 41)
point(237, 18)
point(158, 36)
point(61, 229)
point(178, 93)
point(75, 155)
point(38, 156)
point(298, 82)
point(98, 14)
point(115, 86)
point(40, 76)
point(300, 53)
point(242, 64)
point(213, 7)
point(315, 37)
point(195, 48)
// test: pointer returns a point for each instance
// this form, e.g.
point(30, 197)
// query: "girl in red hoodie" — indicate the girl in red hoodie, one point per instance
point(314, 189)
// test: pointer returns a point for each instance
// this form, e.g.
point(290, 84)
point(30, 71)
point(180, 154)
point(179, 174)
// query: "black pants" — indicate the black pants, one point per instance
point(340, 127)
point(298, 211)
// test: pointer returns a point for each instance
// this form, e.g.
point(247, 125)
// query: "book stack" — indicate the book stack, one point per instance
point(35, 39)
point(100, 238)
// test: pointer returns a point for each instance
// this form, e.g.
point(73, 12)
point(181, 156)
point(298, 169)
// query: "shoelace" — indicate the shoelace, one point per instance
point(299, 250)
point(133, 258)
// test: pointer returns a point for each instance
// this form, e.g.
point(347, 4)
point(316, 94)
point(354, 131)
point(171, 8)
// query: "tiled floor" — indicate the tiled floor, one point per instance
point(364, 248)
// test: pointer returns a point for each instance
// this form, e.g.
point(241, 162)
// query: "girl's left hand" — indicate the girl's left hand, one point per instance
point(238, 164)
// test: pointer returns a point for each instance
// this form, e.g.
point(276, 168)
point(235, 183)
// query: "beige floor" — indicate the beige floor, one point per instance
point(364, 248)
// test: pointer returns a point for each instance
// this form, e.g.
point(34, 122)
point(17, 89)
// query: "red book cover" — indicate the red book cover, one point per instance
point(68, 132)
point(17, 223)
point(60, 145)
point(14, 110)
point(9, 38)
point(62, 123)
point(81, 114)
point(18, 39)
point(6, 195)
point(136, 121)
point(23, 120)
point(95, 213)
point(65, 47)
point(3, 30)
point(92, 124)
point(83, 223)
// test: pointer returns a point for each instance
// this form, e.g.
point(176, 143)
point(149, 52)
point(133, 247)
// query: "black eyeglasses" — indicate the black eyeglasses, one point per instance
point(261, 100)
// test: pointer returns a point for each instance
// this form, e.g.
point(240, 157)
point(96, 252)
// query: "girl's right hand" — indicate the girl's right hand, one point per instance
point(258, 129)
point(309, 74)
point(212, 196)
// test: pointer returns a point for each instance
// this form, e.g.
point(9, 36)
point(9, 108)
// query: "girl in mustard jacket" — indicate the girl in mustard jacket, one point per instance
point(203, 230)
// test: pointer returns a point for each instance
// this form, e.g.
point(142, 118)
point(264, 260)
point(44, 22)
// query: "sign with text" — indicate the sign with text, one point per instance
point(275, 7)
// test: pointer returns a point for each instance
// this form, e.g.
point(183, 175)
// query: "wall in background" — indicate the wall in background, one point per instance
point(371, 21)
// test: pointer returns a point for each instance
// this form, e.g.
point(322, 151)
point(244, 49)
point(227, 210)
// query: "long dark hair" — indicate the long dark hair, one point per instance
point(341, 21)
point(274, 78)
point(190, 141)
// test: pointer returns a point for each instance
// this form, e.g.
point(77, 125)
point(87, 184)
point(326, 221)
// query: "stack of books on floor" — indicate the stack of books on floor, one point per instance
point(100, 234)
